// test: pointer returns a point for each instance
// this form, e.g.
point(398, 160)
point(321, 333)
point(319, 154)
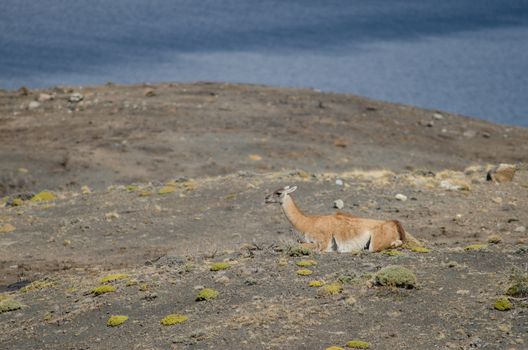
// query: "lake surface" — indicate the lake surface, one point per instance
point(464, 56)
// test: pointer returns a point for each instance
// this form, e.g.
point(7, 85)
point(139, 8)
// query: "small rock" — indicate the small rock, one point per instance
point(33, 105)
point(469, 133)
point(486, 135)
point(520, 229)
point(339, 182)
point(438, 116)
point(401, 197)
point(75, 97)
point(502, 173)
point(339, 204)
point(45, 97)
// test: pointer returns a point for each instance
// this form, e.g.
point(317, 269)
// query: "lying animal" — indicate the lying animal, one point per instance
point(340, 232)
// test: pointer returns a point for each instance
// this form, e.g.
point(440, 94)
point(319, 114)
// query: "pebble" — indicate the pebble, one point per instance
point(520, 229)
point(33, 105)
point(438, 116)
point(339, 204)
point(339, 182)
point(75, 97)
point(401, 197)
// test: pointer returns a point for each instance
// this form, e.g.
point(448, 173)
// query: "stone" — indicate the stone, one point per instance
point(45, 97)
point(502, 173)
point(401, 197)
point(33, 105)
point(520, 229)
point(438, 116)
point(339, 204)
point(75, 97)
point(339, 182)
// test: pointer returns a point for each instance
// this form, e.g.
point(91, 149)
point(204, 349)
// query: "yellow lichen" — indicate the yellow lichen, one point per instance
point(220, 266)
point(37, 285)
point(103, 289)
point(475, 247)
point(113, 277)
point(143, 287)
point(331, 289)
point(4, 200)
point(116, 320)
point(305, 263)
point(207, 294)
point(335, 348)
point(132, 188)
point(503, 304)
point(166, 189)
point(395, 276)
point(86, 190)
point(304, 272)
point(43, 197)
point(358, 344)
point(315, 283)
point(6, 228)
point(172, 319)
point(420, 250)
point(7, 305)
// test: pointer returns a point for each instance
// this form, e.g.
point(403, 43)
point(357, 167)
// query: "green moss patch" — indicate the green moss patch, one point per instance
point(518, 285)
point(494, 239)
point(305, 263)
point(116, 320)
point(472, 247)
point(420, 250)
point(395, 276)
point(220, 266)
point(358, 344)
point(503, 304)
point(113, 277)
point(392, 252)
point(173, 319)
point(43, 196)
point(298, 250)
point(37, 285)
point(104, 289)
point(7, 305)
point(304, 272)
point(331, 289)
point(315, 283)
point(166, 189)
point(207, 294)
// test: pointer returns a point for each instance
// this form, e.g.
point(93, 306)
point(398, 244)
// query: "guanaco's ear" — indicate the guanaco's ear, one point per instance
point(289, 189)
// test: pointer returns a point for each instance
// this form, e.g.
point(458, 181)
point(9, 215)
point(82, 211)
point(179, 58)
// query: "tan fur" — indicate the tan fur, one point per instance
point(343, 232)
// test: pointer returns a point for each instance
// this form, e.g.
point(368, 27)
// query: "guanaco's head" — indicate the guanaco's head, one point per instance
point(278, 195)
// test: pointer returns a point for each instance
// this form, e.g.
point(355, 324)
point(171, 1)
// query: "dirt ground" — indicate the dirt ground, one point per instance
point(158, 182)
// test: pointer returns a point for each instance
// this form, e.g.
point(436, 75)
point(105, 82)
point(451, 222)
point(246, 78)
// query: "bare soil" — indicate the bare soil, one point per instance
point(220, 148)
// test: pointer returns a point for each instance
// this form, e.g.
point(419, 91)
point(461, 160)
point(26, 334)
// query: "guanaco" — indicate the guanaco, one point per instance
point(341, 232)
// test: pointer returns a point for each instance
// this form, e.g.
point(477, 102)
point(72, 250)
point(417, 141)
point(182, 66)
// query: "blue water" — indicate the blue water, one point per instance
point(463, 56)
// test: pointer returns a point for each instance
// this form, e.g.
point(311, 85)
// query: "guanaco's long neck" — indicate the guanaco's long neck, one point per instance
point(300, 221)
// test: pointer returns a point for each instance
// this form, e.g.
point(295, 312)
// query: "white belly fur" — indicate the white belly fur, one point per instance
point(354, 244)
